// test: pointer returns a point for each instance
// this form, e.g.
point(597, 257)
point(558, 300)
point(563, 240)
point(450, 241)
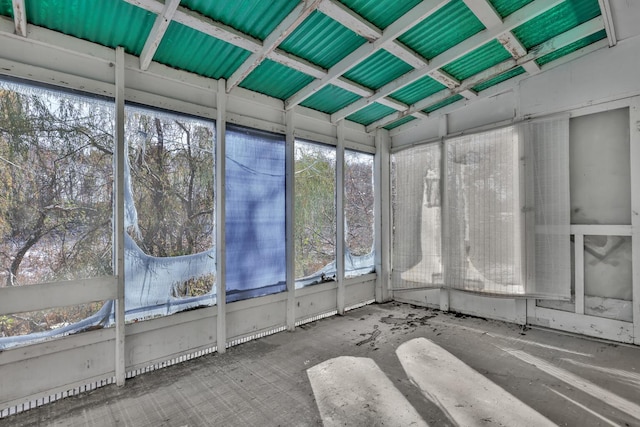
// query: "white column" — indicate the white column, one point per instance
point(382, 212)
point(221, 291)
point(118, 240)
point(634, 143)
point(290, 220)
point(444, 221)
point(340, 243)
point(579, 273)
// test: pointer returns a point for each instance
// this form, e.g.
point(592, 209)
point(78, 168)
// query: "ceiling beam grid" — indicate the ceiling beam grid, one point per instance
point(524, 14)
point(273, 40)
point(388, 37)
point(551, 45)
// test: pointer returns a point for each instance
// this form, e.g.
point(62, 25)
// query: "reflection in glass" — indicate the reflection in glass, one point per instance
point(56, 179)
point(315, 213)
point(169, 214)
point(358, 212)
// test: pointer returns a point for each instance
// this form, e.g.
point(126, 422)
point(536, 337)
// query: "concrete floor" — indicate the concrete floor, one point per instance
point(407, 366)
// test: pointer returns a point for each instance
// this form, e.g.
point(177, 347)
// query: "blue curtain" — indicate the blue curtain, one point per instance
point(255, 238)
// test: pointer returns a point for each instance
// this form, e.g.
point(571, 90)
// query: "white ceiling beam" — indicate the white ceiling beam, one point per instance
point(490, 18)
point(407, 55)
point(273, 40)
point(297, 64)
point(342, 14)
point(20, 17)
point(420, 115)
point(230, 35)
point(485, 12)
point(558, 42)
point(605, 9)
point(517, 51)
point(444, 94)
point(531, 67)
point(203, 24)
point(392, 103)
point(512, 44)
point(573, 35)
point(522, 15)
point(444, 78)
point(469, 93)
point(157, 32)
point(511, 83)
point(397, 28)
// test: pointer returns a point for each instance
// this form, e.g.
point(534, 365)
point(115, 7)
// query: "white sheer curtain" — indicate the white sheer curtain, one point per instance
point(483, 239)
point(548, 216)
point(506, 211)
point(417, 254)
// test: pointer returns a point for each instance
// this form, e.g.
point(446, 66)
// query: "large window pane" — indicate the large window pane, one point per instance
point(358, 212)
point(255, 213)
point(56, 179)
point(169, 201)
point(315, 213)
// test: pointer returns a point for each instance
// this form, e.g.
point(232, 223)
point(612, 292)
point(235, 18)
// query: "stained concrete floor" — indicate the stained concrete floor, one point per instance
point(568, 380)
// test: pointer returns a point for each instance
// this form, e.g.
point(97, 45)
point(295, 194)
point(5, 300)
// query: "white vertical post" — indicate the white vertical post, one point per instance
point(528, 207)
point(118, 240)
point(634, 144)
point(579, 272)
point(520, 201)
point(221, 266)
point(382, 216)
point(340, 243)
point(290, 220)
point(444, 221)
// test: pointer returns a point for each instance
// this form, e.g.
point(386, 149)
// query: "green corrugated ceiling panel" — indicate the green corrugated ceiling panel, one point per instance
point(478, 60)
point(109, 23)
point(258, 18)
point(6, 9)
point(330, 99)
point(417, 90)
point(276, 80)
point(499, 79)
point(371, 113)
point(444, 29)
point(400, 122)
point(556, 21)
point(507, 7)
point(322, 41)
point(443, 103)
point(378, 70)
point(572, 47)
point(380, 13)
point(185, 48)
